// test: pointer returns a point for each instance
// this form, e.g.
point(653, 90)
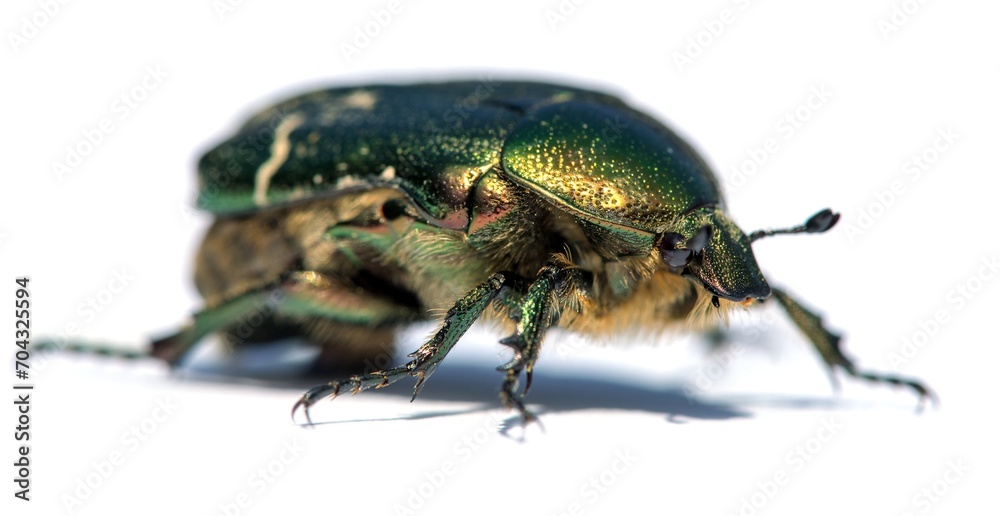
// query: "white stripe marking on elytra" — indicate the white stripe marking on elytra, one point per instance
point(280, 148)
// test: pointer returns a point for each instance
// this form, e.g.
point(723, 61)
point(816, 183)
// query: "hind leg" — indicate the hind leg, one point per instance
point(352, 325)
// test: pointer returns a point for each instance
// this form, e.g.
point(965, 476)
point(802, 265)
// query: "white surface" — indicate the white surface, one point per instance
point(126, 208)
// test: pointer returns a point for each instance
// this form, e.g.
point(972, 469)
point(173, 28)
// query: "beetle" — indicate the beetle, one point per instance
point(344, 214)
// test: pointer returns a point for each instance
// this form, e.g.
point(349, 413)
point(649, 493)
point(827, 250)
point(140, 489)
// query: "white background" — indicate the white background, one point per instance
point(127, 207)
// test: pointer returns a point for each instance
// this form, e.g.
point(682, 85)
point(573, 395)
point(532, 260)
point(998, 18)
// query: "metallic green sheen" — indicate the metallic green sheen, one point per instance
point(433, 141)
point(549, 199)
point(728, 267)
point(612, 164)
point(627, 178)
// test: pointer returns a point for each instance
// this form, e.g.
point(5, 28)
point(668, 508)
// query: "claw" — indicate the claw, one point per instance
point(303, 402)
point(515, 364)
point(517, 361)
point(418, 386)
point(422, 376)
point(510, 399)
point(512, 341)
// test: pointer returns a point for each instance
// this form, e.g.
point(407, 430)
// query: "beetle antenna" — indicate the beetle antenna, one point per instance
point(818, 223)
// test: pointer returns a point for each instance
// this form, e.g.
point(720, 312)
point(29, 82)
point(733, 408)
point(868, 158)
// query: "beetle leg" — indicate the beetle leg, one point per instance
point(511, 399)
point(828, 346)
point(534, 316)
point(173, 348)
point(303, 295)
point(426, 358)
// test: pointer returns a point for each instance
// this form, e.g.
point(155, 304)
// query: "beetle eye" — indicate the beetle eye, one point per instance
point(677, 253)
point(676, 258)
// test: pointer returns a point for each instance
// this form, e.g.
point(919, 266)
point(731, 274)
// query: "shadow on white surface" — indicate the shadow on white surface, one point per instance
point(467, 380)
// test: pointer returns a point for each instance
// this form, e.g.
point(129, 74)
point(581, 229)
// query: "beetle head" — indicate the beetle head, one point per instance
point(706, 245)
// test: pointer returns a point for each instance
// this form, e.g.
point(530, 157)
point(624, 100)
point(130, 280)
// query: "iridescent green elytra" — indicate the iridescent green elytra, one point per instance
point(344, 214)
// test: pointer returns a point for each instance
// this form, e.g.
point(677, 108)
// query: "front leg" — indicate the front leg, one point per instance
point(828, 346)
